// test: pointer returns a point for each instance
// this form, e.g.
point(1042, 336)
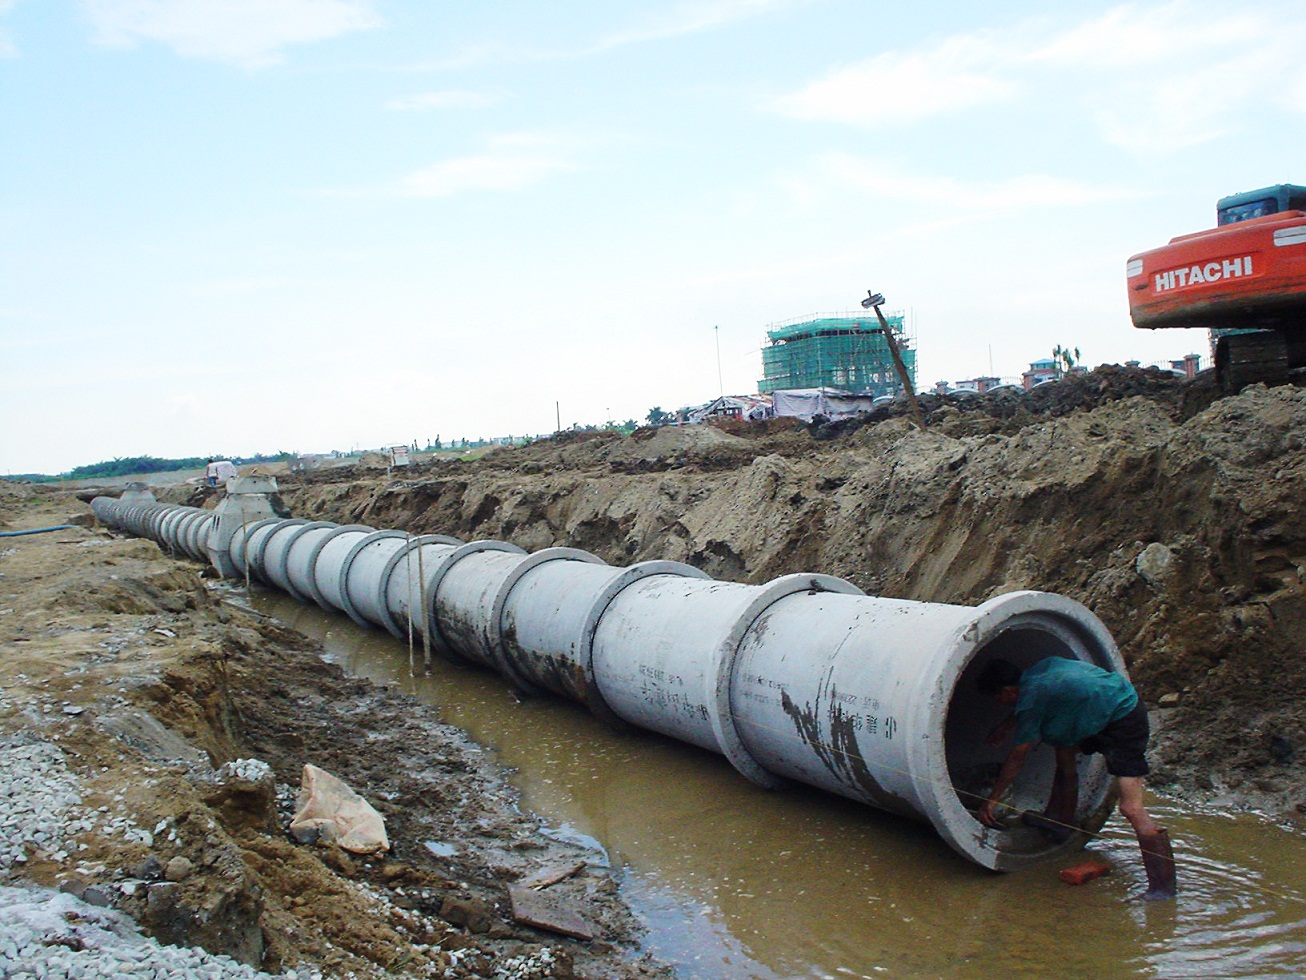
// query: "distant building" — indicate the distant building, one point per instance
point(1047, 370)
point(750, 408)
point(831, 351)
point(1040, 371)
point(976, 386)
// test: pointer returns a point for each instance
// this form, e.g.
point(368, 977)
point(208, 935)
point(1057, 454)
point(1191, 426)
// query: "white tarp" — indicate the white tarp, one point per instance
point(805, 403)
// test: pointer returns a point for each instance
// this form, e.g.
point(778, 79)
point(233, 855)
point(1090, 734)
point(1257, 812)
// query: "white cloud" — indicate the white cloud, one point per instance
point(904, 86)
point(1176, 75)
point(246, 32)
point(947, 194)
point(448, 99)
point(511, 163)
point(1182, 110)
point(189, 404)
point(7, 47)
point(678, 20)
point(1134, 35)
point(1150, 77)
point(691, 18)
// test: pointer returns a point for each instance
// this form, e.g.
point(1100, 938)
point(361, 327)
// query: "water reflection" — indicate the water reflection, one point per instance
point(735, 882)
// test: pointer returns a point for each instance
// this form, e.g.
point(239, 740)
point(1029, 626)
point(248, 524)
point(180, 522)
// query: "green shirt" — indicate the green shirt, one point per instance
point(1062, 701)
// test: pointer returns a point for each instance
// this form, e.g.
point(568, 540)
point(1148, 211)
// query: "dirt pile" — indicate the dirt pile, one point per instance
point(1169, 511)
point(148, 683)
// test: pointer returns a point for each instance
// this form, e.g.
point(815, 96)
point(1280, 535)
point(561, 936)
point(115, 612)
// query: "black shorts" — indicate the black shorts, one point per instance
point(1123, 743)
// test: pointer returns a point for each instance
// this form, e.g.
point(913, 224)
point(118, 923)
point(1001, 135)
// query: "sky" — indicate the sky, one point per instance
point(240, 226)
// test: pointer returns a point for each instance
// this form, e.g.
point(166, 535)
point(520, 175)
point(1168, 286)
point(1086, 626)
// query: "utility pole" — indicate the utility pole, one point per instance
point(721, 385)
point(874, 301)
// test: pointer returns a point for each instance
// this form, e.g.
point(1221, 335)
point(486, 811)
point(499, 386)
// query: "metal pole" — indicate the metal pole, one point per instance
point(721, 385)
point(874, 300)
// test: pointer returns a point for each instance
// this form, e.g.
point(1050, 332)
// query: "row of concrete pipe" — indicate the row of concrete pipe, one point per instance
point(803, 679)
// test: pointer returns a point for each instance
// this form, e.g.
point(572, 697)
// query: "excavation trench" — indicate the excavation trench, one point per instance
point(735, 882)
point(803, 679)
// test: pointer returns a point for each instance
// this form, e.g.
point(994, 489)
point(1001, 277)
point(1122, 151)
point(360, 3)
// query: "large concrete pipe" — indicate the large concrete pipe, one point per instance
point(549, 611)
point(802, 679)
point(406, 582)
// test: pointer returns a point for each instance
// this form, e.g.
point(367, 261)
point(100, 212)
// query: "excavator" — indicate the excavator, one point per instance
point(1243, 280)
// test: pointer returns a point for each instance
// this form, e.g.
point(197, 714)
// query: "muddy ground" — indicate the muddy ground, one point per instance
point(1171, 512)
point(148, 679)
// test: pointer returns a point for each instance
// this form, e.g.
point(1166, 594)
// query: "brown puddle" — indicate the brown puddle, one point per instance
point(735, 882)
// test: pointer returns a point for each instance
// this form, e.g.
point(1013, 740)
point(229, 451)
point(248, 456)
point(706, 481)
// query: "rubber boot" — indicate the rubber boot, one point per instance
point(1158, 862)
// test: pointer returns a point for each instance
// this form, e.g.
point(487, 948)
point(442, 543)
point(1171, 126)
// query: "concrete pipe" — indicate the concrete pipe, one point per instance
point(548, 613)
point(169, 530)
point(406, 582)
point(802, 679)
point(664, 653)
point(362, 576)
point(298, 556)
point(243, 546)
point(463, 591)
point(193, 533)
point(332, 550)
point(179, 530)
point(874, 699)
point(153, 519)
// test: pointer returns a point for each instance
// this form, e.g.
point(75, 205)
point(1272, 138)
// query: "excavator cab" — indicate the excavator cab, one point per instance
point(1257, 204)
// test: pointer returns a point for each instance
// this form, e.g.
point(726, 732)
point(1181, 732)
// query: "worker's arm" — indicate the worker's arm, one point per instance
point(1002, 730)
point(1010, 770)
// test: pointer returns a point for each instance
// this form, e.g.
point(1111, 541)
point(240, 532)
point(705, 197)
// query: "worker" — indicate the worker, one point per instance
point(211, 473)
point(1075, 707)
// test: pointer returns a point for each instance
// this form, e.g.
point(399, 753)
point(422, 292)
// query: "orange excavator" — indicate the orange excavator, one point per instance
point(1244, 280)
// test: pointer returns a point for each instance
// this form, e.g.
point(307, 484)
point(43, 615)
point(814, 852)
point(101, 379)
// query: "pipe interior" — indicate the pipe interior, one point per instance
point(973, 765)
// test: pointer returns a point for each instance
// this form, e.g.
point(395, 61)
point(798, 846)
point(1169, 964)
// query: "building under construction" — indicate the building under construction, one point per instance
point(832, 351)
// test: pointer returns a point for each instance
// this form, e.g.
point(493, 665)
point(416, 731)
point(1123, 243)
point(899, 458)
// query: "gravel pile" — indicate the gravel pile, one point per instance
point(51, 936)
point(37, 792)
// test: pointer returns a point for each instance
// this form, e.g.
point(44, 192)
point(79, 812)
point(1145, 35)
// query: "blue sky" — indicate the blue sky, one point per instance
point(233, 226)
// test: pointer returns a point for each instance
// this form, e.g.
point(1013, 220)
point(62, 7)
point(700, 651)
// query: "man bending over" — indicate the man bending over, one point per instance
point(1074, 707)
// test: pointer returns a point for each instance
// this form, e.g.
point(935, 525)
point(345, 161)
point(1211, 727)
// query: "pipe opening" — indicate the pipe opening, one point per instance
point(973, 764)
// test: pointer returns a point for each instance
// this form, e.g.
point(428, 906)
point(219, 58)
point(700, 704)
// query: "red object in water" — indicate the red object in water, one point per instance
point(1084, 872)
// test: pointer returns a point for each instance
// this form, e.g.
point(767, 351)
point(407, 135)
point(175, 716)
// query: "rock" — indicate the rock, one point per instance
point(1155, 564)
point(148, 870)
point(178, 869)
point(469, 913)
point(548, 911)
point(244, 793)
point(1168, 700)
point(99, 896)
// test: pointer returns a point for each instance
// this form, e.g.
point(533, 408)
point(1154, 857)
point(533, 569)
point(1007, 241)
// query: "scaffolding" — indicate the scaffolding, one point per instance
point(833, 351)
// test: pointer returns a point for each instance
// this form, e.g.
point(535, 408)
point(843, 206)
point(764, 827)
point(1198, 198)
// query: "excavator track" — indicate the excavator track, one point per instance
point(1246, 358)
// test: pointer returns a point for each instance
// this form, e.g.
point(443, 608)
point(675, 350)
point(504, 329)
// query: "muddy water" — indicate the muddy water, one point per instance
point(735, 882)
